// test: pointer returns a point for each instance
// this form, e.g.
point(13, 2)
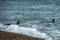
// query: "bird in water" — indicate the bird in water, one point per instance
point(17, 23)
point(7, 23)
point(53, 20)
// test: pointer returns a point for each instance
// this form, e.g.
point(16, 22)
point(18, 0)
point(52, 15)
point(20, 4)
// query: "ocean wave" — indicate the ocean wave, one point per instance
point(24, 30)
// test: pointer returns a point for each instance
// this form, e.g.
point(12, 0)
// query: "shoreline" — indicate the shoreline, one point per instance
point(14, 36)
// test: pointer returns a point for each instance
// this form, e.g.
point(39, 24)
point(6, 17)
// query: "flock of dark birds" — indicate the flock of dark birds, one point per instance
point(18, 22)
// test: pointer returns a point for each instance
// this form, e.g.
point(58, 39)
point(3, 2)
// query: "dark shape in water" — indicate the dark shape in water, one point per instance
point(18, 22)
point(53, 20)
point(8, 24)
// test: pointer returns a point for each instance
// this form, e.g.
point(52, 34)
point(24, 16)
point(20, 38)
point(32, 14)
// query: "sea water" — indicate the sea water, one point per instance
point(33, 14)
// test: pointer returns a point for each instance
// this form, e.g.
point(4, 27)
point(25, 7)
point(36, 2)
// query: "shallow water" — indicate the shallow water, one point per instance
point(33, 13)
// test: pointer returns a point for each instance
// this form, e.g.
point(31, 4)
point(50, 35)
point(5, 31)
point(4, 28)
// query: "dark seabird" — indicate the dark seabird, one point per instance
point(8, 24)
point(53, 20)
point(18, 22)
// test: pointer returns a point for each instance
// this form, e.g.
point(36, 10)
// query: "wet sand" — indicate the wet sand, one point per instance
point(14, 36)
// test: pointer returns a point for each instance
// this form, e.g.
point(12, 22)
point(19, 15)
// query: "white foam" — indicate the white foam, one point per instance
point(2, 26)
point(24, 30)
point(27, 31)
